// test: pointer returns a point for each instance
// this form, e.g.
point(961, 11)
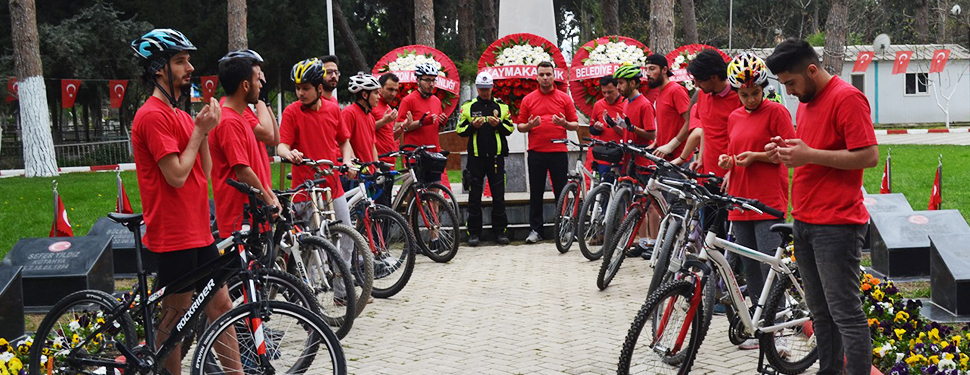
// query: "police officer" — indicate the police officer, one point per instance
point(485, 122)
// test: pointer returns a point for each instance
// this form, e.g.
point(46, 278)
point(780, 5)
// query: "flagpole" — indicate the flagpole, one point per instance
point(54, 186)
point(939, 168)
point(120, 203)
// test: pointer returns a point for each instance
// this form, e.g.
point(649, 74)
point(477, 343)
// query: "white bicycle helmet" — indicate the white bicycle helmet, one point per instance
point(425, 69)
point(363, 82)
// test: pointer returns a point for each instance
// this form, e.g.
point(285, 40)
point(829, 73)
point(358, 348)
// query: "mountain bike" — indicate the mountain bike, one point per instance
point(571, 198)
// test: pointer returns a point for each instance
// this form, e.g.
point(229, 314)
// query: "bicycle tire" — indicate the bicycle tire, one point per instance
point(782, 295)
point(616, 211)
point(446, 223)
point(649, 313)
point(393, 265)
point(82, 301)
point(615, 251)
point(590, 223)
point(318, 336)
point(446, 193)
point(660, 272)
point(566, 220)
point(276, 285)
point(361, 262)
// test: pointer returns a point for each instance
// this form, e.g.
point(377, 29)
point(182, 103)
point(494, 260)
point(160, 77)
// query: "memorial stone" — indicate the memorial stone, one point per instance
point(57, 266)
point(11, 302)
point(950, 272)
point(123, 244)
point(876, 203)
point(901, 243)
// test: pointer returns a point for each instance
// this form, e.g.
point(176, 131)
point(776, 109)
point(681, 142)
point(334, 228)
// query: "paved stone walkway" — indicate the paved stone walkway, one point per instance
point(515, 310)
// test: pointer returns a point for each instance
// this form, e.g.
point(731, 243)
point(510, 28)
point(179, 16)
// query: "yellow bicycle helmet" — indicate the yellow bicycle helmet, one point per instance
point(747, 70)
point(308, 71)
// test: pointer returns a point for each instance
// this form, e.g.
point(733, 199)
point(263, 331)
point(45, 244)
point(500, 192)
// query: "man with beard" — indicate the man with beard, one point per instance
point(421, 110)
point(387, 128)
point(172, 163)
point(672, 108)
point(331, 74)
point(715, 103)
point(833, 144)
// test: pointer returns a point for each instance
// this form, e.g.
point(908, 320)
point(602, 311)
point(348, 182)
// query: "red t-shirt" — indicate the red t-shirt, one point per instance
point(427, 133)
point(253, 121)
point(651, 94)
point(672, 102)
point(232, 143)
point(766, 182)
point(640, 112)
point(175, 218)
point(361, 127)
point(318, 135)
point(714, 111)
point(537, 103)
point(836, 119)
point(609, 134)
point(385, 135)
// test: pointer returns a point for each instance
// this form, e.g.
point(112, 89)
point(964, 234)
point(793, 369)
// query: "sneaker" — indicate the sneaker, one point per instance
point(647, 253)
point(502, 239)
point(719, 309)
point(473, 241)
point(596, 241)
point(533, 237)
point(434, 244)
point(634, 251)
point(749, 344)
point(782, 346)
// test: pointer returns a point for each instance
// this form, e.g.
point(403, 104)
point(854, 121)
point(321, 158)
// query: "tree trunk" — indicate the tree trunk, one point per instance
point(662, 25)
point(585, 27)
point(424, 22)
point(611, 17)
point(236, 14)
point(942, 7)
point(466, 30)
point(491, 20)
point(343, 27)
point(35, 118)
point(835, 30)
point(922, 21)
point(690, 22)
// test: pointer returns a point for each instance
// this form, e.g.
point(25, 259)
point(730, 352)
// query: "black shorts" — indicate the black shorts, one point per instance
point(172, 265)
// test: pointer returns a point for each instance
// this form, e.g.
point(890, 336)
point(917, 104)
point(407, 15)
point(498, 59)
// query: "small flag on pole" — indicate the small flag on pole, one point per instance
point(61, 226)
point(936, 197)
point(887, 186)
point(123, 205)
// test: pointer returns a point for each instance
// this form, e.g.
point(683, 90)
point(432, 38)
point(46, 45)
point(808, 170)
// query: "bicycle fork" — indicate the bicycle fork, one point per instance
point(695, 301)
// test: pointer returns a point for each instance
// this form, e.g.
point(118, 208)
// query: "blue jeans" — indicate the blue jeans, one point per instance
point(828, 260)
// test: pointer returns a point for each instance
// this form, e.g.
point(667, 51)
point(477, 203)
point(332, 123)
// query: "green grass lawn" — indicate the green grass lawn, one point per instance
point(26, 207)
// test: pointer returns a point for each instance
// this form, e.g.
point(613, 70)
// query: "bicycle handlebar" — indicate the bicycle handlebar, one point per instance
point(703, 193)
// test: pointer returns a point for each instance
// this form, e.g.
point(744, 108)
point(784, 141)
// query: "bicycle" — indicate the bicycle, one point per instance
point(592, 218)
point(388, 233)
point(570, 199)
point(434, 220)
point(407, 186)
point(319, 217)
point(92, 332)
point(675, 309)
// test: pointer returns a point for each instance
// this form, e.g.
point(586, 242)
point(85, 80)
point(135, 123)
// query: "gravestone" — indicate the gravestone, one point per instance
point(11, 303)
point(876, 203)
point(901, 243)
point(123, 245)
point(57, 266)
point(950, 272)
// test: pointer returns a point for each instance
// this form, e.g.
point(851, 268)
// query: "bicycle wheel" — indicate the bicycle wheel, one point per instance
point(62, 342)
point(616, 249)
point(294, 339)
point(567, 207)
point(616, 211)
point(328, 273)
point(664, 315)
point(361, 262)
point(276, 285)
point(447, 194)
point(660, 273)
point(394, 246)
point(790, 350)
point(435, 229)
point(590, 223)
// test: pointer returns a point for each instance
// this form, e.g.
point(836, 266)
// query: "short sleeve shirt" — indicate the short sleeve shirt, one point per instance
point(385, 135)
point(175, 218)
point(613, 110)
point(640, 112)
point(318, 135)
point(672, 102)
point(766, 182)
point(427, 133)
point(361, 127)
point(545, 106)
point(714, 110)
point(231, 144)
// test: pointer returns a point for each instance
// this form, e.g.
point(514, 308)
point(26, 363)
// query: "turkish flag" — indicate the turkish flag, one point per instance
point(209, 87)
point(117, 88)
point(940, 57)
point(69, 88)
point(886, 186)
point(123, 205)
point(936, 197)
point(12, 89)
point(61, 226)
point(862, 62)
point(902, 61)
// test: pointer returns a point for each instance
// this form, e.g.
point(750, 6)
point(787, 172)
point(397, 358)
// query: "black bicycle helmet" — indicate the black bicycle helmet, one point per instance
point(243, 53)
point(308, 71)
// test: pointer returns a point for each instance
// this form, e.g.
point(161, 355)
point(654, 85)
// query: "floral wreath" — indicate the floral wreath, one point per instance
point(597, 58)
point(512, 62)
point(401, 61)
point(681, 57)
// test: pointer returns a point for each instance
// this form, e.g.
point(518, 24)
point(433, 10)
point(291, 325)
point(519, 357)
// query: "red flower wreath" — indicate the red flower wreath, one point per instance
point(515, 81)
point(584, 85)
point(446, 88)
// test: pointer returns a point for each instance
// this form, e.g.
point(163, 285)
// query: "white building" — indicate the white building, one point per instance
point(914, 97)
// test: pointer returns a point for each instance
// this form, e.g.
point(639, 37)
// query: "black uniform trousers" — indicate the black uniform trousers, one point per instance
point(477, 169)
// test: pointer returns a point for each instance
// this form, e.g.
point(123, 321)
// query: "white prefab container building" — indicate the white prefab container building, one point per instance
point(913, 97)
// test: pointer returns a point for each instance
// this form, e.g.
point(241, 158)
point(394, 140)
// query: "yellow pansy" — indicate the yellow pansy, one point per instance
point(15, 365)
point(915, 358)
point(877, 295)
point(901, 316)
point(899, 333)
point(934, 335)
point(934, 359)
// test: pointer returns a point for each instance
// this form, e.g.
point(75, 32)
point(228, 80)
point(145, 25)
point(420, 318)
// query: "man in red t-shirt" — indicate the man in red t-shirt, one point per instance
point(715, 103)
point(331, 75)
point(545, 114)
point(385, 116)
point(311, 127)
point(358, 120)
point(613, 106)
point(260, 117)
point(172, 162)
point(672, 108)
point(421, 110)
point(641, 130)
point(834, 142)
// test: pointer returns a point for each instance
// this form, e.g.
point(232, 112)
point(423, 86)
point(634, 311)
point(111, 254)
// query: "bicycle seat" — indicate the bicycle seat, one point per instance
point(130, 221)
point(783, 228)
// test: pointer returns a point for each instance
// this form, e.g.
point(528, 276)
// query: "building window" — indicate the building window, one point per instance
point(859, 81)
point(916, 83)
